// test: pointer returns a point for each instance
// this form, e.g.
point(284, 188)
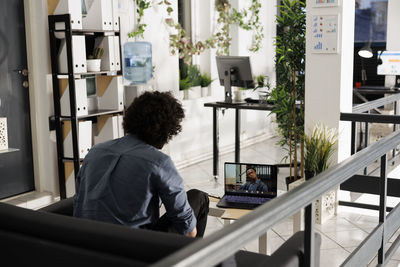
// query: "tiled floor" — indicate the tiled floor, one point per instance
point(340, 235)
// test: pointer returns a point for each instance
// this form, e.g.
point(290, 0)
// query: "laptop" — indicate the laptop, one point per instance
point(248, 185)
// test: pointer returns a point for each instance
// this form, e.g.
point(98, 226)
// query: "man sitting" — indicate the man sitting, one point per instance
point(124, 181)
point(253, 183)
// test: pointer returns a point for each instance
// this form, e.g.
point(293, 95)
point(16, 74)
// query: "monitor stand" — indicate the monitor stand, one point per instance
point(228, 88)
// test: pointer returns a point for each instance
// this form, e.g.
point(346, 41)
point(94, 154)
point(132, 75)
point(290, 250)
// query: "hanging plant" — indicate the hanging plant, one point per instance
point(227, 16)
point(141, 6)
point(247, 19)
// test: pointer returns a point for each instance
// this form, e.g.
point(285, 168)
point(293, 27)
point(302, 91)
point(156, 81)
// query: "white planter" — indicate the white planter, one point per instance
point(238, 95)
point(179, 94)
point(325, 206)
point(192, 93)
point(93, 64)
point(204, 91)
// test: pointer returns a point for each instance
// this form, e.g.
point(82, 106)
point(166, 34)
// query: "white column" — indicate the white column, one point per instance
point(328, 82)
point(328, 86)
point(393, 20)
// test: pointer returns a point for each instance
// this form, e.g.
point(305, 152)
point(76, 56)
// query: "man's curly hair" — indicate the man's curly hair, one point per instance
point(154, 117)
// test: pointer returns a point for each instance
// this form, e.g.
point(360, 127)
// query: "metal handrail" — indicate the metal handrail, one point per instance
point(376, 103)
point(225, 242)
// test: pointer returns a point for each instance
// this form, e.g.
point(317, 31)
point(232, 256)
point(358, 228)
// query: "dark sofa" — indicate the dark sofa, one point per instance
point(51, 236)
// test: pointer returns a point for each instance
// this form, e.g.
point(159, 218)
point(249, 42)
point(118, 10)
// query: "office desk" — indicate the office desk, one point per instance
point(234, 214)
point(377, 90)
point(238, 108)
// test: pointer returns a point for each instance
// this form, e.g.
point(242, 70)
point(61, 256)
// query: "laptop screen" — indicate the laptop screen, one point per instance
point(251, 179)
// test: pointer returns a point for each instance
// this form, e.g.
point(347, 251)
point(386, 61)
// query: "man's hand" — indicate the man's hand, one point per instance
point(192, 233)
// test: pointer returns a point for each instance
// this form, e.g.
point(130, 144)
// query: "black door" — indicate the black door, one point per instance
point(16, 168)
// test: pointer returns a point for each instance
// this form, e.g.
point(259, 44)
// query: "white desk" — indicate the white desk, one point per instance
point(234, 214)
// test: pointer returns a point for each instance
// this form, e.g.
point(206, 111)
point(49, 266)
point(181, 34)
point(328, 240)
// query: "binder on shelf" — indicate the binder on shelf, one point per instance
point(99, 15)
point(117, 56)
point(3, 134)
point(72, 7)
point(115, 15)
point(121, 131)
point(110, 92)
point(84, 138)
point(107, 128)
point(108, 58)
point(78, 55)
point(69, 178)
point(81, 101)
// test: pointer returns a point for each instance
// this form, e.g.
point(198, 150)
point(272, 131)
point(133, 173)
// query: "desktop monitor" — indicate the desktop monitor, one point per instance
point(389, 63)
point(234, 71)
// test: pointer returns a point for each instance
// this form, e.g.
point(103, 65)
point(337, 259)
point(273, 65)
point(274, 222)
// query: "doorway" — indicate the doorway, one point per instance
point(16, 164)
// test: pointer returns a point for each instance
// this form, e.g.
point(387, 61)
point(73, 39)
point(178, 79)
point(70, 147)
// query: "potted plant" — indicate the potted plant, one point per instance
point(184, 85)
point(94, 59)
point(319, 146)
point(262, 83)
point(194, 76)
point(288, 95)
point(205, 84)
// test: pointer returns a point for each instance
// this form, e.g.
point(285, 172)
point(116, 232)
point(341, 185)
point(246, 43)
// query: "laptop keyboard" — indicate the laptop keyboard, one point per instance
point(246, 199)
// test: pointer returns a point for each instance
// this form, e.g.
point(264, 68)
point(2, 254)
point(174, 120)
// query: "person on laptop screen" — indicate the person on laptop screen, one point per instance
point(253, 184)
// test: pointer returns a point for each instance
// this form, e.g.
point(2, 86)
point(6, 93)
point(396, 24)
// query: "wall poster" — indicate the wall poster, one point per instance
point(325, 34)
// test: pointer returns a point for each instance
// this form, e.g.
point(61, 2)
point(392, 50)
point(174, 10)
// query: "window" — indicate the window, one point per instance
point(371, 21)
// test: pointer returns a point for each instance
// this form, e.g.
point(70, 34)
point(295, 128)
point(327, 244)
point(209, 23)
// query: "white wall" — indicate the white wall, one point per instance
point(393, 39)
point(195, 141)
point(40, 94)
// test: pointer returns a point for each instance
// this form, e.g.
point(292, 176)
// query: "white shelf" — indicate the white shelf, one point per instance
point(9, 150)
point(83, 75)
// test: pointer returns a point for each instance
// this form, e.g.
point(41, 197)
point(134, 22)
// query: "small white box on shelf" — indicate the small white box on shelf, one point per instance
point(81, 100)
point(69, 178)
point(72, 7)
point(84, 138)
point(108, 58)
point(110, 92)
point(3, 134)
point(78, 55)
point(121, 131)
point(99, 15)
point(117, 56)
point(115, 15)
point(107, 128)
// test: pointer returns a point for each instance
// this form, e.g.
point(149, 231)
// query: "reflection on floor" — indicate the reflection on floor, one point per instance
point(340, 235)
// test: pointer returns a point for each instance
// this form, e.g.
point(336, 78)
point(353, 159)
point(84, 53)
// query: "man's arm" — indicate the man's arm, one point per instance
point(172, 193)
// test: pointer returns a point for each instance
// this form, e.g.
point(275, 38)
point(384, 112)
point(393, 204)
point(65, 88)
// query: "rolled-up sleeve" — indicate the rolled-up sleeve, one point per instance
point(172, 193)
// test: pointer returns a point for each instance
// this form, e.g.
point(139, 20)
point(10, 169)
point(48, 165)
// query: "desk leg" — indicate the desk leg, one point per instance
point(215, 143)
point(262, 244)
point(237, 135)
point(262, 240)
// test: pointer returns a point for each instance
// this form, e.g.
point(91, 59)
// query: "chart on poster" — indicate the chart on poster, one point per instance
point(326, 3)
point(325, 34)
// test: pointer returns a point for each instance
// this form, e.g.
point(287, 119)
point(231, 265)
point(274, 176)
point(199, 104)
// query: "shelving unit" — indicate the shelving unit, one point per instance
point(9, 150)
point(57, 121)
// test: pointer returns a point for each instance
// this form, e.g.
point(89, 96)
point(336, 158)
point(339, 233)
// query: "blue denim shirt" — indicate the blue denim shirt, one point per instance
point(252, 187)
point(122, 181)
